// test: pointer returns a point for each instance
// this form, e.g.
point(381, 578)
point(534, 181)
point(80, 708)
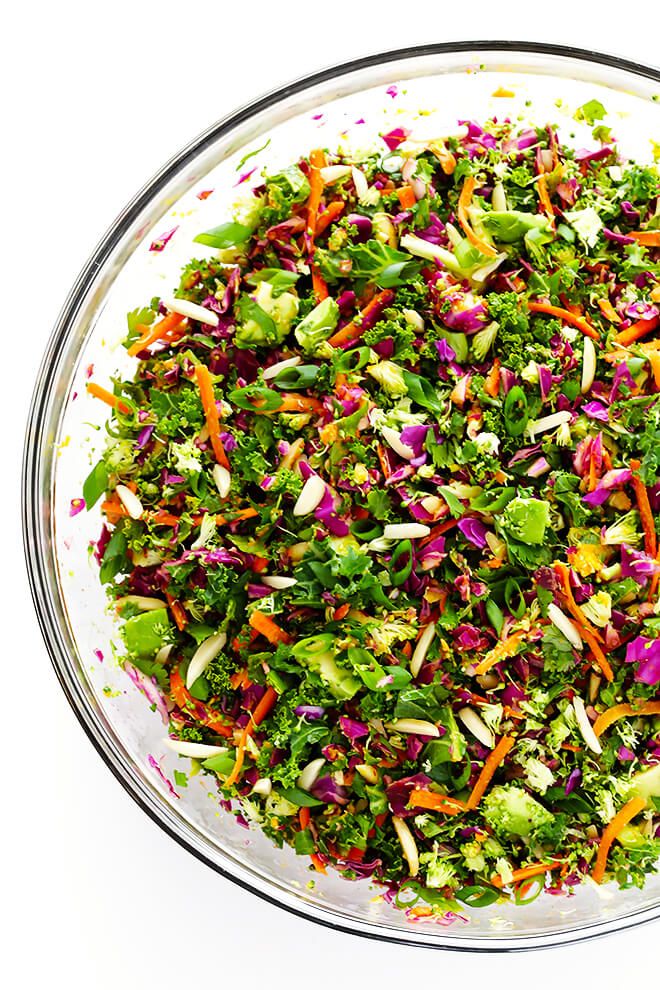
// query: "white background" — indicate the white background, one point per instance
point(94, 98)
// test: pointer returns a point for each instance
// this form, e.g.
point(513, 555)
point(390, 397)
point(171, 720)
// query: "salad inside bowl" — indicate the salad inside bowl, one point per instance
point(371, 524)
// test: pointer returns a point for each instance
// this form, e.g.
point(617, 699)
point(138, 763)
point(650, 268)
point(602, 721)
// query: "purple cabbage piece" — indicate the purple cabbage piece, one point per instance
point(610, 480)
point(326, 513)
point(612, 235)
point(395, 137)
point(641, 310)
point(445, 351)
point(398, 794)
point(625, 755)
point(596, 410)
point(162, 240)
point(363, 225)
point(469, 637)
point(585, 155)
point(144, 436)
point(328, 791)
point(629, 211)
point(76, 505)
point(311, 712)
point(574, 778)
point(465, 320)
point(415, 438)
point(545, 380)
point(149, 689)
point(352, 729)
point(346, 301)
point(645, 652)
point(622, 376)
point(637, 565)
point(474, 531)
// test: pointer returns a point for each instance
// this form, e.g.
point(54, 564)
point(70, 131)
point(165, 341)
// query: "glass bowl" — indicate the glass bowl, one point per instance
point(427, 88)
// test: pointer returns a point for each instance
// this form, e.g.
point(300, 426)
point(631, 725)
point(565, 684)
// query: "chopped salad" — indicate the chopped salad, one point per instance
point(380, 513)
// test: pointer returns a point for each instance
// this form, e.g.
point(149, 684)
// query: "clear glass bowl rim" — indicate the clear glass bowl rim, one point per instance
point(35, 534)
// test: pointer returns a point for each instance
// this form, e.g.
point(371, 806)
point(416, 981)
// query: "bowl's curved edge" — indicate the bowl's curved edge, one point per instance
point(32, 463)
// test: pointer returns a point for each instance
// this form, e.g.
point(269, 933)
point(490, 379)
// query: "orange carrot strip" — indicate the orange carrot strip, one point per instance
point(163, 518)
point(492, 382)
point(645, 511)
point(341, 612)
point(464, 201)
point(649, 238)
point(653, 357)
point(178, 612)
point(258, 715)
point(564, 314)
point(436, 802)
point(613, 714)
point(382, 459)
point(406, 197)
point(317, 162)
point(292, 402)
point(209, 717)
point(544, 199)
point(354, 330)
point(524, 873)
point(505, 648)
point(490, 766)
point(636, 331)
point(562, 571)
point(303, 817)
point(318, 863)
point(438, 530)
point(597, 654)
point(268, 628)
point(319, 285)
point(237, 517)
point(331, 212)
point(205, 386)
point(608, 311)
point(156, 332)
point(111, 400)
point(612, 831)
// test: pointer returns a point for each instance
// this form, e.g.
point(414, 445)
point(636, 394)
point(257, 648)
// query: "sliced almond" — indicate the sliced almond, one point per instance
point(141, 602)
point(204, 654)
point(274, 370)
point(588, 365)
point(192, 311)
point(405, 531)
point(565, 625)
point(498, 198)
point(222, 479)
point(476, 725)
point(413, 319)
point(310, 497)
point(263, 787)
point(393, 440)
point(547, 423)
point(198, 751)
point(310, 774)
point(130, 501)
point(164, 653)
point(408, 845)
point(279, 583)
point(413, 726)
point(422, 648)
point(585, 727)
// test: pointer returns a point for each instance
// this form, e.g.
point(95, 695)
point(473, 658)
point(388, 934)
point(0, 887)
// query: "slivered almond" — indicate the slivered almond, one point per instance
point(588, 365)
point(408, 845)
point(279, 583)
point(405, 531)
point(130, 501)
point(565, 625)
point(222, 479)
point(192, 311)
point(585, 727)
point(422, 648)
point(310, 497)
point(368, 772)
point(204, 654)
point(198, 751)
point(476, 725)
point(275, 369)
point(393, 440)
point(309, 774)
point(263, 787)
point(413, 726)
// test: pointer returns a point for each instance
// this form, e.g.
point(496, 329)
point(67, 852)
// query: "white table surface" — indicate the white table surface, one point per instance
point(95, 98)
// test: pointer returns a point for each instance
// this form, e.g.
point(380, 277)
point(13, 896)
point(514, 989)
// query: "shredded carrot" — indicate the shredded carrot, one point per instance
point(164, 518)
point(597, 654)
point(438, 530)
point(524, 873)
point(420, 798)
point(649, 238)
point(653, 357)
point(492, 382)
point(464, 201)
point(209, 717)
point(565, 314)
point(318, 863)
point(163, 328)
point(544, 199)
point(406, 197)
point(205, 386)
point(319, 285)
point(331, 212)
point(303, 817)
point(178, 612)
point(111, 400)
point(268, 628)
point(490, 766)
point(354, 330)
point(612, 831)
point(645, 511)
point(292, 402)
point(608, 311)
point(240, 679)
point(258, 715)
point(341, 612)
point(384, 463)
point(505, 648)
point(564, 575)
point(236, 517)
point(317, 162)
point(616, 712)
point(636, 331)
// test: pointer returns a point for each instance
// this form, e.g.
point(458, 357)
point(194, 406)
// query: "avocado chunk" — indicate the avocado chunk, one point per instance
point(510, 810)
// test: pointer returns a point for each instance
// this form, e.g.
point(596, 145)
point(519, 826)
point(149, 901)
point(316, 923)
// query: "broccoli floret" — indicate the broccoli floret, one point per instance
point(510, 810)
point(439, 871)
